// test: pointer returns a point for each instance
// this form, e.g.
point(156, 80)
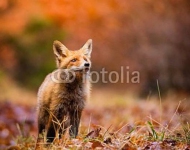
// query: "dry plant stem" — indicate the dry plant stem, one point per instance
point(175, 112)
point(159, 94)
point(161, 125)
point(89, 123)
point(120, 128)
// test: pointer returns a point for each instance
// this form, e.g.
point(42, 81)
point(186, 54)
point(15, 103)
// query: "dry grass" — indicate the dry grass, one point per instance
point(110, 121)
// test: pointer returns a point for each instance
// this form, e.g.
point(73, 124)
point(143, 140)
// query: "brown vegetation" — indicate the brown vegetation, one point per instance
point(123, 124)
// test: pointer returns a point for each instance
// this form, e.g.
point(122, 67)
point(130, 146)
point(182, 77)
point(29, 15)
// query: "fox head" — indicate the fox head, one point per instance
point(75, 60)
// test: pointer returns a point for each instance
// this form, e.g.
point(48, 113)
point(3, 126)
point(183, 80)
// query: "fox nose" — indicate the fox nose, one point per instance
point(86, 64)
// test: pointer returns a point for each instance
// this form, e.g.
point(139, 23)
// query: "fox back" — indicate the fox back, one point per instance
point(62, 95)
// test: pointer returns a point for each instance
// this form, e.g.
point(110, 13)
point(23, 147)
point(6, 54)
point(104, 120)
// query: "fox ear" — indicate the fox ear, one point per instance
point(59, 49)
point(87, 48)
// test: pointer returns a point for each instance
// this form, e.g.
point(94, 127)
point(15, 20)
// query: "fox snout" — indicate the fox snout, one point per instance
point(87, 65)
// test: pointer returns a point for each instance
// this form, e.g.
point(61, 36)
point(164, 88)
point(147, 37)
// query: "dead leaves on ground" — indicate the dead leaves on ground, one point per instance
point(18, 128)
point(17, 123)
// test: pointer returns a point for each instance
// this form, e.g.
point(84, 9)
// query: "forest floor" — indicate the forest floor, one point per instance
point(109, 121)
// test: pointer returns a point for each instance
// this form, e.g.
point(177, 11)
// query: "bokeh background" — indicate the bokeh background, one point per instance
point(152, 37)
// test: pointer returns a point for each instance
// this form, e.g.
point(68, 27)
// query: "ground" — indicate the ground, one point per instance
point(111, 120)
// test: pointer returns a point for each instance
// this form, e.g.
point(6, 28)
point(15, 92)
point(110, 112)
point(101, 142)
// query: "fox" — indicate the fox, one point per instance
point(60, 104)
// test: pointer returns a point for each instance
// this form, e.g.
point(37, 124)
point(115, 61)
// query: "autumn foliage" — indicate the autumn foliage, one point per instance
point(151, 37)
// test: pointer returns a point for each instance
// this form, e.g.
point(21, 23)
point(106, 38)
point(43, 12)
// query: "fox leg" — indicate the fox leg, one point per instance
point(42, 121)
point(50, 130)
point(41, 127)
point(39, 142)
point(43, 118)
point(74, 122)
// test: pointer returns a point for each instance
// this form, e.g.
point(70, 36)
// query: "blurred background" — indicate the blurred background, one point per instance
point(151, 37)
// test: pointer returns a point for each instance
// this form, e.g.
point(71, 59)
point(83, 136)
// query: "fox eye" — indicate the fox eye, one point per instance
point(73, 60)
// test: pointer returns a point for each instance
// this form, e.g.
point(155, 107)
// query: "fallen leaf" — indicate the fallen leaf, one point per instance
point(94, 134)
point(108, 140)
point(96, 144)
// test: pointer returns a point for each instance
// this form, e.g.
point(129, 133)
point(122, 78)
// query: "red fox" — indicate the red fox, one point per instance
point(60, 104)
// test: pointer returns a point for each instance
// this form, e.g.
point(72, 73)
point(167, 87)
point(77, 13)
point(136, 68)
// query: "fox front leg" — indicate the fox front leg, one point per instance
point(43, 118)
point(74, 122)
